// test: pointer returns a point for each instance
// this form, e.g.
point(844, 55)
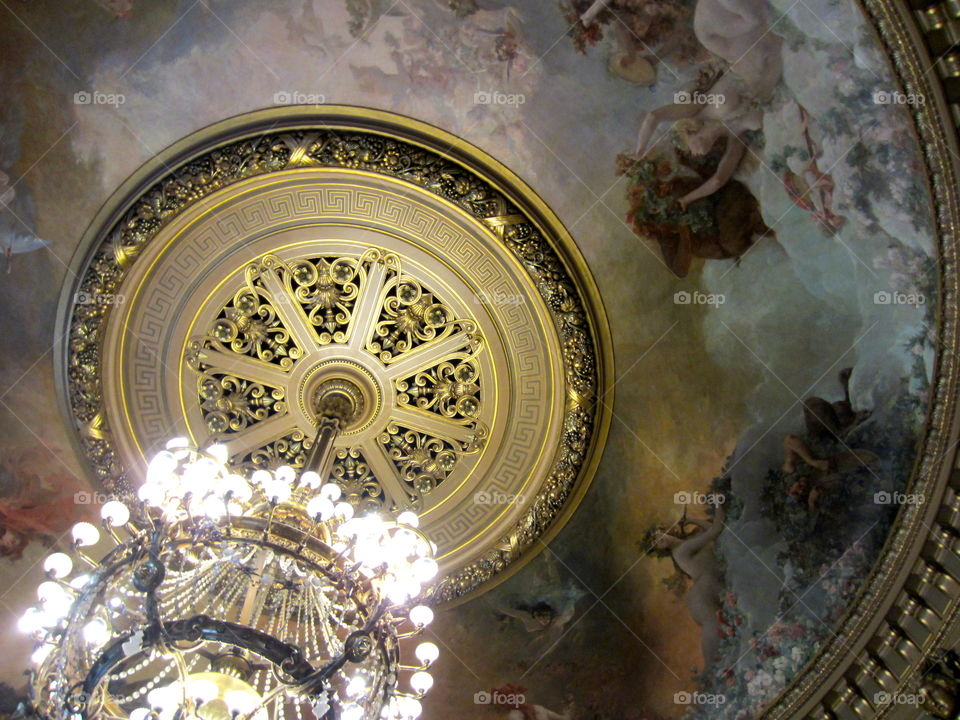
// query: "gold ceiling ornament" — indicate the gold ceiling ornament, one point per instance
point(350, 321)
point(357, 255)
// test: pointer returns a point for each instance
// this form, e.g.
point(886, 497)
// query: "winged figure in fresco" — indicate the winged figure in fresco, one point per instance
point(692, 552)
point(817, 462)
point(737, 32)
point(706, 213)
point(722, 226)
point(549, 609)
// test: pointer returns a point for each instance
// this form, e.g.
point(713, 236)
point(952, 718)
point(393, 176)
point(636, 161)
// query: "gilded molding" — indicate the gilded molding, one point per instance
point(511, 217)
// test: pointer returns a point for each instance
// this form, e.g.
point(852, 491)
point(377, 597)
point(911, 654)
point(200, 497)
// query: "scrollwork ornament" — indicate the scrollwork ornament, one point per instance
point(324, 291)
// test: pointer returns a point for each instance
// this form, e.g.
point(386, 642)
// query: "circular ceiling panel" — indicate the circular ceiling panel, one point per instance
point(372, 255)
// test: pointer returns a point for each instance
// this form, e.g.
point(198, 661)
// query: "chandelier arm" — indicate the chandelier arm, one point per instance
point(201, 627)
point(355, 650)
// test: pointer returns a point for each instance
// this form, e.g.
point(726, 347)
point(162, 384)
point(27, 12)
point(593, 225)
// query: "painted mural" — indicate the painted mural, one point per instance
point(744, 181)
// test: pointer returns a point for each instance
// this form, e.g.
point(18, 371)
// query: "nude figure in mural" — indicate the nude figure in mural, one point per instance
point(524, 710)
point(535, 712)
point(738, 32)
point(694, 556)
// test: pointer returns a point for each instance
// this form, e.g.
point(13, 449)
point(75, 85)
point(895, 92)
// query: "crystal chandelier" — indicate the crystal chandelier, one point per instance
point(229, 598)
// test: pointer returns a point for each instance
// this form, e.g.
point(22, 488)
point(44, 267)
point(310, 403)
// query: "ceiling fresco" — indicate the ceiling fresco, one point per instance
point(745, 184)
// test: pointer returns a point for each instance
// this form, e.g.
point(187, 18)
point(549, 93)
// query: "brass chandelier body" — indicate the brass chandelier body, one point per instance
point(236, 599)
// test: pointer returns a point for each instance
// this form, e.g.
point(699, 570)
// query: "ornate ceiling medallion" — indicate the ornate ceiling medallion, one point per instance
point(357, 326)
point(376, 263)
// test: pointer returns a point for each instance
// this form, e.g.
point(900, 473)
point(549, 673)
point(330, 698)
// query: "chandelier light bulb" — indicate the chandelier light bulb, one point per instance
point(179, 447)
point(320, 507)
point(344, 510)
point(140, 714)
point(241, 703)
point(41, 654)
point(333, 493)
point(50, 590)
point(80, 581)
point(425, 569)
point(85, 534)
point(277, 491)
point(59, 565)
point(96, 632)
point(427, 652)
point(115, 513)
point(356, 686)
point(239, 488)
point(150, 494)
point(285, 474)
point(421, 682)
point(421, 615)
point(352, 712)
point(311, 479)
point(162, 464)
point(162, 698)
point(31, 621)
point(410, 708)
point(214, 508)
point(219, 452)
point(261, 477)
point(202, 690)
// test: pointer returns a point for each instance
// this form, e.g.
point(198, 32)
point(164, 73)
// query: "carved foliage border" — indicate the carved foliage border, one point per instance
point(370, 151)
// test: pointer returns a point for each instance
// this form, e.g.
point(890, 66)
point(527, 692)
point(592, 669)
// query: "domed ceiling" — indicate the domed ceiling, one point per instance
point(649, 308)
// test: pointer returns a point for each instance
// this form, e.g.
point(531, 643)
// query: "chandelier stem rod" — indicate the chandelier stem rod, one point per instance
point(320, 460)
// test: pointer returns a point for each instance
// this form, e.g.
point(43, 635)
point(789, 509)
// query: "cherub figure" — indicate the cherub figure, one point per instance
point(819, 476)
